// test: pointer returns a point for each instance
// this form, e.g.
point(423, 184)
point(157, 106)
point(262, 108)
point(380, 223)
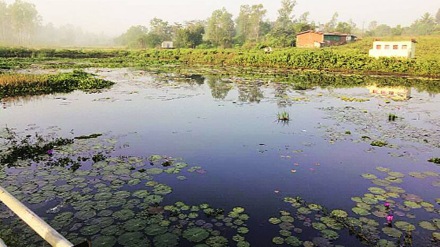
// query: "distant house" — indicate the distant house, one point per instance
point(167, 45)
point(314, 39)
point(406, 49)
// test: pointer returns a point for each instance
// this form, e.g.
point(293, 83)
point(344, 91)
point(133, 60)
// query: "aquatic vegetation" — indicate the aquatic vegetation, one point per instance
point(196, 234)
point(379, 143)
point(392, 117)
point(353, 99)
point(283, 116)
point(435, 160)
point(29, 147)
point(59, 83)
point(108, 214)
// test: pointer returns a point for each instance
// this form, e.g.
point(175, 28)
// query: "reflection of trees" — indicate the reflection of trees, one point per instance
point(199, 79)
point(281, 95)
point(219, 88)
point(250, 93)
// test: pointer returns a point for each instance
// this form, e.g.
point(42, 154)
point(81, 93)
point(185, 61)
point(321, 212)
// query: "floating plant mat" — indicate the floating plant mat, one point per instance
point(114, 201)
point(379, 127)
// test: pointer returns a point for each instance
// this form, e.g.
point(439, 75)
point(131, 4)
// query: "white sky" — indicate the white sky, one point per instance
point(115, 16)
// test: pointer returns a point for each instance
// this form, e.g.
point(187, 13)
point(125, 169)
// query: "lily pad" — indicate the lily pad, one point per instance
point(134, 225)
point(154, 171)
point(217, 241)
point(427, 225)
point(339, 213)
point(405, 226)
point(392, 232)
point(90, 230)
point(133, 239)
point(274, 221)
point(104, 241)
point(162, 189)
point(360, 211)
point(166, 240)
point(396, 174)
point(376, 190)
point(278, 240)
point(293, 241)
point(412, 204)
point(123, 214)
point(329, 234)
point(195, 234)
point(369, 176)
point(319, 226)
point(155, 229)
point(85, 215)
point(141, 193)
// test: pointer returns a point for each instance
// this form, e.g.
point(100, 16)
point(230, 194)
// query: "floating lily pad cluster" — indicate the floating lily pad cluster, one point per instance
point(115, 201)
point(378, 127)
point(403, 204)
point(372, 225)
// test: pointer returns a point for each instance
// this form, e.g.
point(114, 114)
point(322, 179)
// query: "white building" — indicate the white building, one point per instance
point(406, 49)
point(167, 45)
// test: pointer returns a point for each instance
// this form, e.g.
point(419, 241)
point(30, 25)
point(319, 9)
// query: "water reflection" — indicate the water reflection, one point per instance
point(219, 86)
point(399, 93)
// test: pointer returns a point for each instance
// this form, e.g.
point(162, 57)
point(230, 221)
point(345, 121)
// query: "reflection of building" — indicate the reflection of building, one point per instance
point(312, 39)
point(406, 49)
point(400, 93)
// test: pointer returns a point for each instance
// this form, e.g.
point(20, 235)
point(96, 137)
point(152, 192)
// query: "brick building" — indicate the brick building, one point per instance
point(313, 39)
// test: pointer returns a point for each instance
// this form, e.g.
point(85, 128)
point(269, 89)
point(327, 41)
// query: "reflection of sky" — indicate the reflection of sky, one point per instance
point(240, 144)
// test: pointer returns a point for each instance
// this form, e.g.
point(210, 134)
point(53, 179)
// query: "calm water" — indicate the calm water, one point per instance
point(251, 160)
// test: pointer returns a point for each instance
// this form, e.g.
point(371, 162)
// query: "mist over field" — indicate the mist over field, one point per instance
point(143, 24)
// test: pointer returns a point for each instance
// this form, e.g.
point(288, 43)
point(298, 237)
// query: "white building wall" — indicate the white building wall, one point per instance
point(406, 49)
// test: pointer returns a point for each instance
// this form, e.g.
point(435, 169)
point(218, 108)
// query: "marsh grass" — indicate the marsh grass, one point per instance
point(13, 85)
point(283, 116)
point(20, 79)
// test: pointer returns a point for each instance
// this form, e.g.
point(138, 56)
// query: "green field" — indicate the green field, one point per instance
point(350, 59)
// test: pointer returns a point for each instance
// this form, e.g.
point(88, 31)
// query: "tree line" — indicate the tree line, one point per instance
point(21, 25)
point(250, 28)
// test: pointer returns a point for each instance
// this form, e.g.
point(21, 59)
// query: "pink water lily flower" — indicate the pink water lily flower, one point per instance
point(390, 218)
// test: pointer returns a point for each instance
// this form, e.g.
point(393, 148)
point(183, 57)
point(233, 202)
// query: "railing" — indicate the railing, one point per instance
point(36, 223)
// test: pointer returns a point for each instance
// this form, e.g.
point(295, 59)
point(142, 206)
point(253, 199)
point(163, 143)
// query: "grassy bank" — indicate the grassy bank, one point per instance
point(351, 58)
point(12, 85)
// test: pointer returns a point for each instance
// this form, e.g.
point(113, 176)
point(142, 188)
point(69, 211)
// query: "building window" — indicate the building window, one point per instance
point(378, 47)
point(387, 47)
point(395, 47)
point(404, 47)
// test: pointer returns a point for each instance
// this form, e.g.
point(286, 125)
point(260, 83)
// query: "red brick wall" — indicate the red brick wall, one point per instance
point(307, 40)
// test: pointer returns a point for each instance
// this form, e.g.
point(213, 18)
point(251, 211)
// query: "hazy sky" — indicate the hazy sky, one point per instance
point(115, 16)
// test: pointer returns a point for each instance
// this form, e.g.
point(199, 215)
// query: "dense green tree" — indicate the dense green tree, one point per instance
point(303, 23)
point(425, 25)
point(344, 27)
point(4, 22)
point(24, 20)
point(190, 36)
point(283, 32)
point(332, 24)
point(249, 23)
point(220, 28)
point(134, 37)
point(397, 31)
point(437, 17)
point(161, 28)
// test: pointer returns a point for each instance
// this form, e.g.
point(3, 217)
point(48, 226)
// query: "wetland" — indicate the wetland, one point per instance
point(177, 156)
